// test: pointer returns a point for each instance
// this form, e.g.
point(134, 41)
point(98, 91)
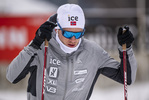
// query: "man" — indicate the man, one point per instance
point(73, 62)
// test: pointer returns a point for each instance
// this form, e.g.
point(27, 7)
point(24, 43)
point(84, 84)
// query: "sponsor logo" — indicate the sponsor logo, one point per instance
point(73, 20)
point(80, 72)
point(52, 82)
point(53, 72)
point(78, 89)
point(79, 61)
point(51, 89)
point(55, 61)
point(79, 80)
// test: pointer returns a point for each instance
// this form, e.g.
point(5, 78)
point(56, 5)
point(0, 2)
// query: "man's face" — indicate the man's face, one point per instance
point(69, 42)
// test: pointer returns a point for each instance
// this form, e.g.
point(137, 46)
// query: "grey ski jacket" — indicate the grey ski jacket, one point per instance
point(68, 76)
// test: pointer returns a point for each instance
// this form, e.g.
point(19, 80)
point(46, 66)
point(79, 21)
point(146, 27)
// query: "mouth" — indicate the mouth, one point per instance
point(71, 45)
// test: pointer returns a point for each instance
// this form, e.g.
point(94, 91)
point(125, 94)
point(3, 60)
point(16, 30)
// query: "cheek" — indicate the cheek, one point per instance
point(63, 39)
point(78, 40)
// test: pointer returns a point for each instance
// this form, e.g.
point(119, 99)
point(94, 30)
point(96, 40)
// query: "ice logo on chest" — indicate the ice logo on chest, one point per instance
point(55, 61)
point(53, 71)
point(51, 83)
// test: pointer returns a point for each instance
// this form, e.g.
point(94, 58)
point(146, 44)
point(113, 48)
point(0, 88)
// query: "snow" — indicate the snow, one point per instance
point(13, 95)
point(137, 91)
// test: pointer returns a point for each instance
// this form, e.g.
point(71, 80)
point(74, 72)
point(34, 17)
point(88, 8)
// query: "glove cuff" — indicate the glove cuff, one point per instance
point(127, 49)
point(37, 41)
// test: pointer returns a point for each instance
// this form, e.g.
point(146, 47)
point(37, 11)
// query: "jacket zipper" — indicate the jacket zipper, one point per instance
point(66, 78)
point(72, 69)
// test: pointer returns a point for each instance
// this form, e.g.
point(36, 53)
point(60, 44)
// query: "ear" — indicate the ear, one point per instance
point(56, 30)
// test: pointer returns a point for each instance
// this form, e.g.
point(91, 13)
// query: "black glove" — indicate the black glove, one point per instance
point(44, 32)
point(126, 37)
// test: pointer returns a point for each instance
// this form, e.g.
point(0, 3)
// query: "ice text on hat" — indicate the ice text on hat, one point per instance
point(73, 20)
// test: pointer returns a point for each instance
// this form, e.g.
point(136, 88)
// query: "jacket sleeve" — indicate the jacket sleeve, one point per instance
point(21, 65)
point(114, 70)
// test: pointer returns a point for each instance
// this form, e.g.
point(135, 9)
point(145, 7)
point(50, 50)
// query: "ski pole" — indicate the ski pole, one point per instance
point(125, 69)
point(44, 70)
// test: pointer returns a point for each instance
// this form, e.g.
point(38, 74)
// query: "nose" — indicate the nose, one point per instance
point(73, 39)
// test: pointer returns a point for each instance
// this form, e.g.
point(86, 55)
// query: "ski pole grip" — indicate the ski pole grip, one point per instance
point(124, 45)
point(46, 42)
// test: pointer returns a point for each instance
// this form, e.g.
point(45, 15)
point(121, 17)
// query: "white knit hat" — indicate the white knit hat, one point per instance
point(70, 16)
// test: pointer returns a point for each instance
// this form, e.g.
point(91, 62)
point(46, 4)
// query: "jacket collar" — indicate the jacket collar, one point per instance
point(56, 47)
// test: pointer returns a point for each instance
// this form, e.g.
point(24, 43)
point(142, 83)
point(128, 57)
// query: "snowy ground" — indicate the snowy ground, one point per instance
point(135, 92)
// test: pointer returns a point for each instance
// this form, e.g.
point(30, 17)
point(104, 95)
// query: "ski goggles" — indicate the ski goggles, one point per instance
point(69, 35)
